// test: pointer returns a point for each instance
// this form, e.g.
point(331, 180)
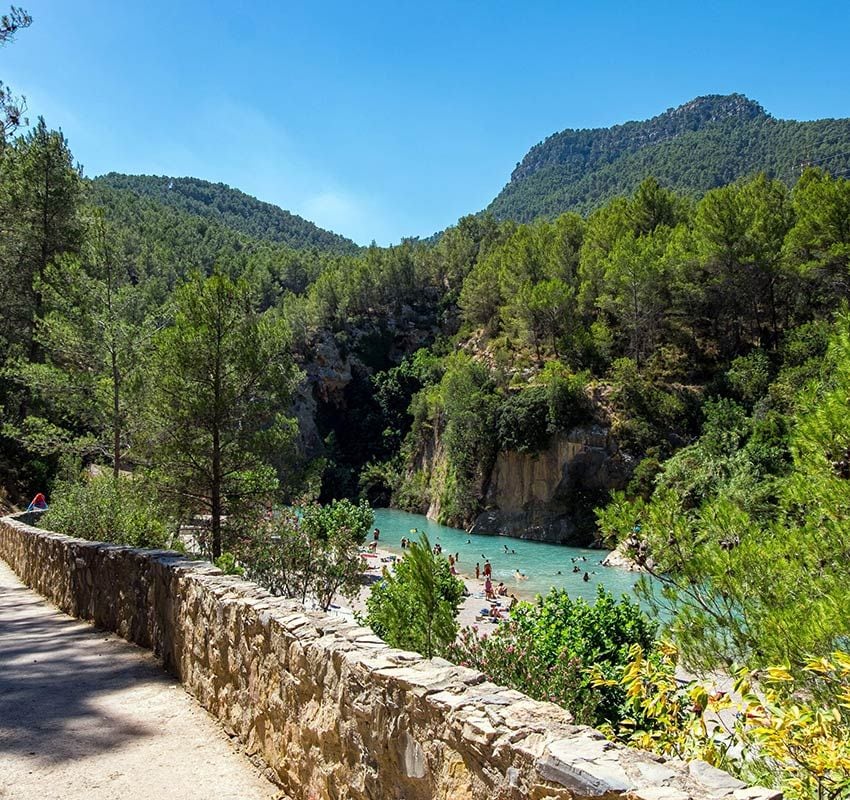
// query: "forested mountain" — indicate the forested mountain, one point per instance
point(161, 244)
point(706, 143)
point(233, 208)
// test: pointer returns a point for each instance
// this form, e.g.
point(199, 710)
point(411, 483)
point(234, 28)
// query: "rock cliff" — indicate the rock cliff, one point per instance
point(549, 495)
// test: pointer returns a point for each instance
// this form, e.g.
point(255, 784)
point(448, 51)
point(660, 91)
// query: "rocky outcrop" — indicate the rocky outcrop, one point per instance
point(546, 495)
point(619, 558)
point(333, 710)
point(331, 363)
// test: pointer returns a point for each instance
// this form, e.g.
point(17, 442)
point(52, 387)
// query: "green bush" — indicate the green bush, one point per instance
point(310, 557)
point(749, 376)
point(415, 607)
point(552, 649)
point(566, 397)
point(105, 510)
point(522, 423)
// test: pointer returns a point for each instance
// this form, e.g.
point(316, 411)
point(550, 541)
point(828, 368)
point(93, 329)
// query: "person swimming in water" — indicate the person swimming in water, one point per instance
point(586, 577)
point(520, 576)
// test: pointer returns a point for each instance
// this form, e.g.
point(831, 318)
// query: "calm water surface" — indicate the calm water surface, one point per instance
point(546, 565)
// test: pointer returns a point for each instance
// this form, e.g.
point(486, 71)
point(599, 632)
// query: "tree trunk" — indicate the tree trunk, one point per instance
point(116, 416)
point(215, 495)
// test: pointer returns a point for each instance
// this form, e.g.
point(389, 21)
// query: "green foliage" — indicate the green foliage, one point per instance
point(228, 564)
point(782, 737)
point(12, 109)
point(746, 530)
point(310, 557)
point(102, 509)
point(463, 407)
point(413, 492)
point(553, 648)
point(647, 411)
point(566, 396)
point(749, 376)
point(234, 209)
point(415, 607)
point(526, 419)
point(523, 421)
point(40, 196)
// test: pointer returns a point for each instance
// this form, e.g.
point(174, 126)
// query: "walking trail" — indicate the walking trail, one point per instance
point(85, 714)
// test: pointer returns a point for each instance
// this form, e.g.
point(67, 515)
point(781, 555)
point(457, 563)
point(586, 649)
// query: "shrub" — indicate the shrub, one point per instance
point(309, 557)
point(102, 509)
point(554, 648)
point(523, 421)
point(415, 607)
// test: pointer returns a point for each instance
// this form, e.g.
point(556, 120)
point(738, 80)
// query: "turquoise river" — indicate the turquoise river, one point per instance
point(546, 565)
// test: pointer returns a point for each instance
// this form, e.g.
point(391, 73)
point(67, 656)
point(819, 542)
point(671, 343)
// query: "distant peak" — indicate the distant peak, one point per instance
point(719, 106)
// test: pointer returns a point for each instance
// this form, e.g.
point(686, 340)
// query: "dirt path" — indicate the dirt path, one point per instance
point(85, 714)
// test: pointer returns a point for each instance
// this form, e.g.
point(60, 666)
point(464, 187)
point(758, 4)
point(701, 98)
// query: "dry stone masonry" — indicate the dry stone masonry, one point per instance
point(333, 710)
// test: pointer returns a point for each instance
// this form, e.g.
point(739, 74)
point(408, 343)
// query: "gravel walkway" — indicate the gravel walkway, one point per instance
point(85, 714)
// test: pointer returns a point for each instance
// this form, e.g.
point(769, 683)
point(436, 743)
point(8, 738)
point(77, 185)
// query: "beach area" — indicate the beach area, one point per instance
point(469, 613)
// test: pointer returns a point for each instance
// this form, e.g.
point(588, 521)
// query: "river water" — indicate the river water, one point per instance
point(546, 565)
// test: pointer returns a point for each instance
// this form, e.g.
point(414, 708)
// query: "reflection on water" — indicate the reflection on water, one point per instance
point(546, 565)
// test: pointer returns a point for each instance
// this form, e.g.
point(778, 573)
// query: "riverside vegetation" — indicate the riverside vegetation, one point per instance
point(163, 328)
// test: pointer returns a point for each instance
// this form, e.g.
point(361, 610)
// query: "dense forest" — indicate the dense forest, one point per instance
point(703, 144)
point(230, 207)
point(676, 283)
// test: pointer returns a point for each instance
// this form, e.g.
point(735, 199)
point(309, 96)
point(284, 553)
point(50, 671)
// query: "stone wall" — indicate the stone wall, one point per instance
point(333, 710)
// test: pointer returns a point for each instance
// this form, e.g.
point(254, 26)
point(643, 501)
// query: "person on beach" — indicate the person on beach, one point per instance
point(488, 570)
point(514, 601)
point(477, 571)
point(488, 588)
point(502, 590)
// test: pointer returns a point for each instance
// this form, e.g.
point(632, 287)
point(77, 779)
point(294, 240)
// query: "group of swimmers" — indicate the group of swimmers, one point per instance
point(519, 576)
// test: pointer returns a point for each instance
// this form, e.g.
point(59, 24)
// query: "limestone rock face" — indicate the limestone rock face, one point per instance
point(333, 710)
point(539, 496)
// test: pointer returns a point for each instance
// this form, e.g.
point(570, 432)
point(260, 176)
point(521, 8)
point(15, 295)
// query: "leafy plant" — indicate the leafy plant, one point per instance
point(415, 607)
point(311, 556)
point(554, 649)
point(102, 509)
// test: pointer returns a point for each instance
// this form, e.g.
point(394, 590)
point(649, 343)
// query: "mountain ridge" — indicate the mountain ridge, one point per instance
point(232, 207)
point(701, 144)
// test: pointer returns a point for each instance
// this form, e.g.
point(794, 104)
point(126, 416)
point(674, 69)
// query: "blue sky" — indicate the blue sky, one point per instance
point(389, 119)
